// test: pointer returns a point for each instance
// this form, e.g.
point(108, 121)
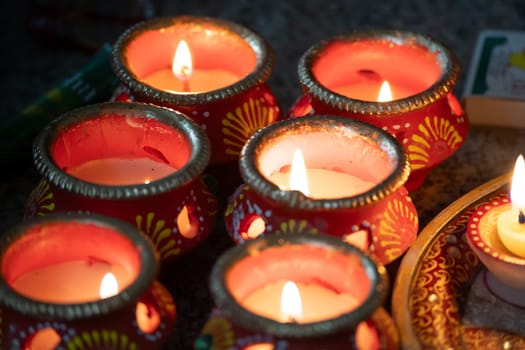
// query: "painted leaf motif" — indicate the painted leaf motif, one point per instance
point(436, 138)
point(246, 119)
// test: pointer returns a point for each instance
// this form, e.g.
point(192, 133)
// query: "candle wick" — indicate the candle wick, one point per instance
point(184, 73)
point(521, 217)
point(292, 319)
point(289, 319)
point(184, 76)
point(185, 86)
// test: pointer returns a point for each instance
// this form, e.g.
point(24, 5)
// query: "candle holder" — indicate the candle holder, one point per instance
point(381, 219)
point(231, 113)
point(342, 76)
point(54, 314)
point(160, 190)
point(308, 260)
point(504, 268)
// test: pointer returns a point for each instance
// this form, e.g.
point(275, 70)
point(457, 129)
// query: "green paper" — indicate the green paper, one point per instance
point(94, 83)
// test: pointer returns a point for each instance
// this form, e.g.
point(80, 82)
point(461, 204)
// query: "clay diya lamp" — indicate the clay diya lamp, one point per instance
point(81, 281)
point(212, 70)
point(140, 163)
point(399, 81)
point(298, 291)
point(354, 175)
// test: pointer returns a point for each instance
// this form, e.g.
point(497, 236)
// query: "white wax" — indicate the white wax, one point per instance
point(121, 171)
point(318, 302)
point(75, 281)
point(201, 80)
point(511, 232)
point(326, 184)
point(369, 91)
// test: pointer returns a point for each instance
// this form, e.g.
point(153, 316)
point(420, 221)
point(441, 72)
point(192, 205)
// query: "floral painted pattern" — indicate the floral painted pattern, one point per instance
point(159, 233)
point(235, 200)
point(101, 339)
point(435, 137)
point(443, 275)
point(240, 124)
point(398, 225)
point(475, 337)
point(40, 201)
point(387, 232)
point(296, 226)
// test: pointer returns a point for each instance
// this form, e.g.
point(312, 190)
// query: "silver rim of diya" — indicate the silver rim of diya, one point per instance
point(262, 71)
point(196, 164)
point(148, 270)
point(345, 322)
point(445, 57)
point(248, 163)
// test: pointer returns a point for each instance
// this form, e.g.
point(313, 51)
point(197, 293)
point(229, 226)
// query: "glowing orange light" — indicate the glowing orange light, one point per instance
point(291, 304)
point(108, 286)
point(517, 190)
point(182, 64)
point(385, 93)
point(298, 179)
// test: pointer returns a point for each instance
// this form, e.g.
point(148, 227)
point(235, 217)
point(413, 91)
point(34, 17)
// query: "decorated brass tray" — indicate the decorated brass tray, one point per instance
point(441, 297)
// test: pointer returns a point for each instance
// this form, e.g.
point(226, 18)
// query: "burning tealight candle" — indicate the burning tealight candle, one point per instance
point(319, 183)
point(372, 91)
point(121, 171)
point(187, 55)
point(310, 291)
point(304, 300)
point(511, 223)
point(495, 234)
point(62, 283)
point(343, 75)
point(77, 277)
point(182, 77)
point(288, 301)
point(73, 281)
point(69, 274)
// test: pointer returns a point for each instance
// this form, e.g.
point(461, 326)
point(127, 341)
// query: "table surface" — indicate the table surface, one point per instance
point(32, 65)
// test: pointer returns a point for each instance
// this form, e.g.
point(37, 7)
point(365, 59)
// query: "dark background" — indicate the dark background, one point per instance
point(37, 54)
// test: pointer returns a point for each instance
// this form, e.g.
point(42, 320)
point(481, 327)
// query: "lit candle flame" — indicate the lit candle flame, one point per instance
point(182, 65)
point(108, 286)
point(385, 93)
point(517, 189)
point(291, 304)
point(298, 179)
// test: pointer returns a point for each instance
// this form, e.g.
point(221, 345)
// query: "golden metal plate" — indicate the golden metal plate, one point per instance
point(435, 277)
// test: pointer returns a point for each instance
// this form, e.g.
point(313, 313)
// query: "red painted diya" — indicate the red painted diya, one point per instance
point(217, 78)
point(136, 162)
point(334, 302)
point(81, 282)
point(344, 75)
point(355, 174)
